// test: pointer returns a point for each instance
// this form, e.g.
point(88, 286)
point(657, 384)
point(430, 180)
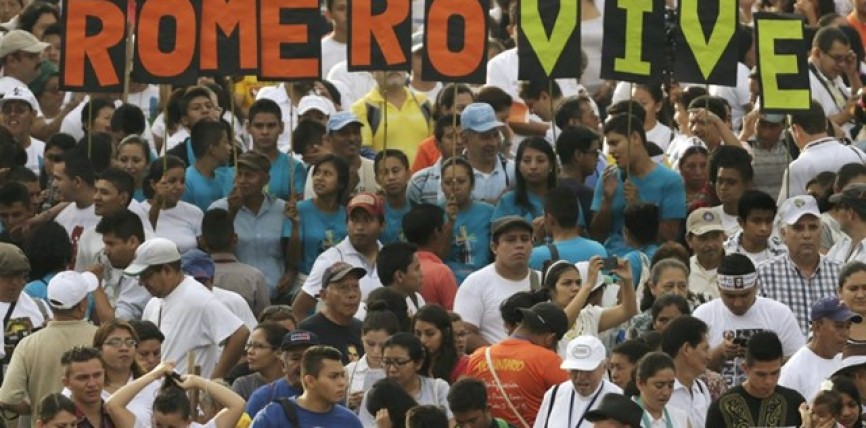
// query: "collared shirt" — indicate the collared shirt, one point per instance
point(694, 402)
point(703, 280)
point(775, 248)
point(425, 186)
point(781, 280)
point(408, 125)
point(489, 187)
point(83, 422)
point(260, 237)
point(830, 93)
point(825, 154)
point(342, 252)
point(845, 250)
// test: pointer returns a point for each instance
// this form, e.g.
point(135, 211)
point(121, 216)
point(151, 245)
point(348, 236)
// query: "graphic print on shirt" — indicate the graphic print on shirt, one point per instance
point(732, 370)
point(328, 242)
point(737, 413)
point(74, 237)
point(464, 246)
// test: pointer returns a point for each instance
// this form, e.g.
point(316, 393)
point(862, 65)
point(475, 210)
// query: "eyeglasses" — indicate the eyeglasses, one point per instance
point(117, 343)
point(841, 59)
point(396, 363)
point(257, 345)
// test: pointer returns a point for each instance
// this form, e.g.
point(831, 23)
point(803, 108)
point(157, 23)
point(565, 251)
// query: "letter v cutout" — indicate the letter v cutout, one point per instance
point(548, 49)
point(708, 52)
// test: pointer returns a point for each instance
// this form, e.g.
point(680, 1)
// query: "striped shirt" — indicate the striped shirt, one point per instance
point(781, 280)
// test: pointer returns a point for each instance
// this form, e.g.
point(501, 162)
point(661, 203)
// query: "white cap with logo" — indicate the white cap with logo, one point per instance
point(584, 353)
point(796, 207)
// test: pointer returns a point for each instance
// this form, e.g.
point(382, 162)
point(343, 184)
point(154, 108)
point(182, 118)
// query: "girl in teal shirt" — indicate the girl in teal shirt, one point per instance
point(536, 174)
point(469, 220)
point(392, 174)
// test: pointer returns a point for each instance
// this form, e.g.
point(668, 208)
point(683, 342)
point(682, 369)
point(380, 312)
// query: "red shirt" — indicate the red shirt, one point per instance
point(440, 285)
point(857, 25)
point(427, 155)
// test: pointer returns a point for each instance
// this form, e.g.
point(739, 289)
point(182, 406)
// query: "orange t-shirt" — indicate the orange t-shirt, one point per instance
point(526, 371)
point(857, 25)
point(428, 154)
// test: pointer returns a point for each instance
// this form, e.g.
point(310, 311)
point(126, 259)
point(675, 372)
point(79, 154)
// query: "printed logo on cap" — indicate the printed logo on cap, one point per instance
point(581, 351)
point(799, 203)
point(300, 336)
point(708, 216)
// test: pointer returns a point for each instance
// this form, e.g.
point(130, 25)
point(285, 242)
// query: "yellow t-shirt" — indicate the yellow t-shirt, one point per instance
point(408, 125)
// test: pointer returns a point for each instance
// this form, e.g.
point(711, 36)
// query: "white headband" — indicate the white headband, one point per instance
point(737, 282)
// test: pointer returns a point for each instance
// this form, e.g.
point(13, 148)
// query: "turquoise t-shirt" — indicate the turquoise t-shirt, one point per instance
point(577, 249)
point(507, 205)
point(393, 230)
point(202, 191)
point(661, 187)
point(319, 231)
point(634, 261)
point(470, 245)
point(281, 169)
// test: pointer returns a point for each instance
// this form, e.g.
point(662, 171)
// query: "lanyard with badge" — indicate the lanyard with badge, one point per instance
point(645, 420)
point(586, 410)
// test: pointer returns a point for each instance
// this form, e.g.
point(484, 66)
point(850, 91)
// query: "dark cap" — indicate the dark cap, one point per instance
point(299, 338)
point(338, 271)
point(545, 316)
point(853, 358)
point(509, 222)
point(12, 260)
point(369, 202)
point(851, 194)
point(255, 161)
point(617, 407)
point(835, 309)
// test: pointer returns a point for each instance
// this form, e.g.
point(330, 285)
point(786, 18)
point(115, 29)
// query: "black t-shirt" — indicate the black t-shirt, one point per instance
point(738, 409)
point(339, 336)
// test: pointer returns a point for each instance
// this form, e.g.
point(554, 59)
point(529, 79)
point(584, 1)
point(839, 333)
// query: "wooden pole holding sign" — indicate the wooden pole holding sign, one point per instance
point(127, 62)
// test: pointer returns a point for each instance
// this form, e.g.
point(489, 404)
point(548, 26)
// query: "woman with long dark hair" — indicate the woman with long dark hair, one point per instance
point(171, 218)
point(535, 176)
point(470, 219)
point(655, 381)
point(432, 325)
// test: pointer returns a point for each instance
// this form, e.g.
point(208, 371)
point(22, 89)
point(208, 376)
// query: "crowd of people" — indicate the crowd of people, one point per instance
point(373, 249)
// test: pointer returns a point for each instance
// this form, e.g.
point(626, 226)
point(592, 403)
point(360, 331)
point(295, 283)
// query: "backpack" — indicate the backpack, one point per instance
point(374, 113)
point(290, 411)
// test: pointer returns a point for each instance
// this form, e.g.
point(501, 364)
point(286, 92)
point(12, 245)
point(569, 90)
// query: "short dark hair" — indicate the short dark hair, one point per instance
point(121, 180)
point(623, 123)
point(846, 173)
point(28, 17)
point(569, 109)
point(79, 354)
point(642, 221)
point(53, 404)
point(388, 394)
point(217, 229)
point(311, 362)
point(683, 330)
point(21, 174)
point(763, 346)
point(753, 200)
point(533, 88)
point(825, 37)
point(157, 169)
point(443, 122)
point(716, 105)
point(305, 134)
point(573, 139)
point(62, 141)
point(78, 165)
point(408, 341)
point(394, 257)
point(562, 204)
point(495, 96)
point(733, 157)
point(12, 192)
point(123, 224)
point(446, 95)
point(736, 264)
point(188, 94)
point(426, 416)
point(264, 105)
point(147, 330)
point(633, 349)
point(128, 119)
point(98, 147)
point(467, 394)
point(421, 221)
point(205, 134)
point(849, 269)
point(813, 121)
point(92, 109)
point(50, 245)
point(390, 153)
point(628, 107)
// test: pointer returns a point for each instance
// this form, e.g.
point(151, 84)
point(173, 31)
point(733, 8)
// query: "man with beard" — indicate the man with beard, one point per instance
point(292, 350)
point(803, 275)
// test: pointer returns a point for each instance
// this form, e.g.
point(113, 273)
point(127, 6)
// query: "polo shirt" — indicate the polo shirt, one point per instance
point(489, 187)
point(425, 185)
point(408, 124)
point(845, 250)
point(260, 237)
point(825, 154)
point(342, 252)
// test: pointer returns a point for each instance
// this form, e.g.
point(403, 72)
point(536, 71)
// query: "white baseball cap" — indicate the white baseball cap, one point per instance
point(316, 102)
point(796, 207)
point(69, 288)
point(21, 93)
point(584, 353)
point(153, 252)
point(20, 40)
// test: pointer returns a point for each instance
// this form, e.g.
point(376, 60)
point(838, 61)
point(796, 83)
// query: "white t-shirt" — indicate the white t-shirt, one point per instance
point(34, 154)
point(569, 407)
point(703, 280)
point(8, 83)
point(366, 182)
point(332, 53)
point(24, 308)
point(586, 324)
point(355, 83)
point(738, 97)
point(432, 94)
point(729, 222)
point(90, 245)
point(192, 320)
point(76, 220)
point(433, 392)
point(805, 371)
point(764, 315)
point(147, 100)
point(411, 310)
point(181, 224)
point(678, 419)
point(237, 305)
point(662, 135)
point(478, 299)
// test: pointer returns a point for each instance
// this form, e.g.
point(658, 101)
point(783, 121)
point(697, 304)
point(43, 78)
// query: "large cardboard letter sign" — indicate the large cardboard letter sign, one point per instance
point(706, 51)
point(455, 41)
point(548, 42)
point(782, 64)
point(633, 45)
point(229, 38)
point(380, 32)
point(93, 45)
point(290, 45)
point(166, 42)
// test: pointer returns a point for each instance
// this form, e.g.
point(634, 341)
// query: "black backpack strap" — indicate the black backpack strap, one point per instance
point(554, 252)
point(290, 411)
point(550, 406)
